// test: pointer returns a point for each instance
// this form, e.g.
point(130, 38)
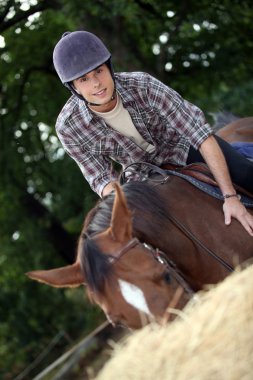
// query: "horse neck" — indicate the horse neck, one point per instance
point(158, 229)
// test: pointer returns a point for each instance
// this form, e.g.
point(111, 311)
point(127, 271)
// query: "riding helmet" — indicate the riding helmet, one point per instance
point(78, 53)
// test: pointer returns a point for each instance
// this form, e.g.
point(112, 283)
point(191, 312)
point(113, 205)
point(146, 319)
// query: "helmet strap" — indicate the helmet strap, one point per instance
point(73, 90)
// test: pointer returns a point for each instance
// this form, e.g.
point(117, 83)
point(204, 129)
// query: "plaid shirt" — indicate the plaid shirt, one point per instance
point(160, 115)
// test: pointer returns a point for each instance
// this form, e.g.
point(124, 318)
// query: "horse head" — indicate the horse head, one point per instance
point(122, 275)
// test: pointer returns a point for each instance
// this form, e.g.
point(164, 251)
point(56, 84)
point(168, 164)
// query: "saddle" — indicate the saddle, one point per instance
point(197, 171)
point(201, 172)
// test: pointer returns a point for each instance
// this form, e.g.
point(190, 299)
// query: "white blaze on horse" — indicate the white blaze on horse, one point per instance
point(146, 248)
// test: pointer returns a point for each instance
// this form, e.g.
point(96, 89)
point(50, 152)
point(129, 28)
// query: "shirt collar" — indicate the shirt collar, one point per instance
point(85, 111)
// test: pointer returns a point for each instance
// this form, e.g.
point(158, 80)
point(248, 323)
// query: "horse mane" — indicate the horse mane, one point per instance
point(142, 198)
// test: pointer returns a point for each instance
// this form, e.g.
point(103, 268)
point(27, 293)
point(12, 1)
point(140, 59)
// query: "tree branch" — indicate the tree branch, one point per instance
point(8, 5)
point(26, 75)
point(150, 9)
point(23, 15)
point(64, 243)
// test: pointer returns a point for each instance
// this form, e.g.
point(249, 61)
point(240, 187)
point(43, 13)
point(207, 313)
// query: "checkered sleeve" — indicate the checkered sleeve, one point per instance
point(179, 114)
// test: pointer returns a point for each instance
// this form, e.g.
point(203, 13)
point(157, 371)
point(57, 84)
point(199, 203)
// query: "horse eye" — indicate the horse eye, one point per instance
point(167, 277)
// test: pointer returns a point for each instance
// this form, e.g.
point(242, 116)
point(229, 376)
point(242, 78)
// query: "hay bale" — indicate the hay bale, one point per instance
point(213, 339)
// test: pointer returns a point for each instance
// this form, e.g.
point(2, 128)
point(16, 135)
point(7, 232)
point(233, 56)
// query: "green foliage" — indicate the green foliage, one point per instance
point(32, 314)
point(210, 49)
point(202, 49)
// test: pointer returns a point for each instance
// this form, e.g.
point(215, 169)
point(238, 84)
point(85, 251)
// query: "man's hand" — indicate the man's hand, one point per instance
point(233, 208)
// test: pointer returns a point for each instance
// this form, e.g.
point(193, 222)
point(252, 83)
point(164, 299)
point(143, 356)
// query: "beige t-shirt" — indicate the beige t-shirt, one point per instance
point(120, 120)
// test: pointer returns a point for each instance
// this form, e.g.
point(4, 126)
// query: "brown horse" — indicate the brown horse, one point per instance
point(129, 279)
point(240, 130)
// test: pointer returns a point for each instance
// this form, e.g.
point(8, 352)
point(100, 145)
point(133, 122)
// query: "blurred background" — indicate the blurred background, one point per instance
point(201, 48)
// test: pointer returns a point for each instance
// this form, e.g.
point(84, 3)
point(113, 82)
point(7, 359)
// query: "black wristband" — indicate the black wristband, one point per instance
point(226, 196)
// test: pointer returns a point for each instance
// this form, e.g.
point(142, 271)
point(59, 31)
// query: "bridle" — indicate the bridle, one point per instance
point(159, 256)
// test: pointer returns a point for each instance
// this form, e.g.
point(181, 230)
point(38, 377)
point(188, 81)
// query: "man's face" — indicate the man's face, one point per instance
point(97, 87)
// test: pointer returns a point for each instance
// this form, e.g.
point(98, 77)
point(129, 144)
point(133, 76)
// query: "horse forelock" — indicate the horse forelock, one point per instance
point(95, 265)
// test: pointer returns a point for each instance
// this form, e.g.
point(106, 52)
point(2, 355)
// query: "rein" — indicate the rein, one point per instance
point(194, 238)
point(144, 176)
point(158, 256)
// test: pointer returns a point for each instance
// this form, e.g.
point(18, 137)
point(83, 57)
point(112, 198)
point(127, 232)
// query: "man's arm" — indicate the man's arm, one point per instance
point(216, 162)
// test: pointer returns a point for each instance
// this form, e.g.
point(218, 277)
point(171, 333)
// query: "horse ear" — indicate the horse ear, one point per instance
point(65, 277)
point(121, 223)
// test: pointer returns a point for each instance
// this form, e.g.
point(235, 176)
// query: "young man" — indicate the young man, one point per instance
point(131, 117)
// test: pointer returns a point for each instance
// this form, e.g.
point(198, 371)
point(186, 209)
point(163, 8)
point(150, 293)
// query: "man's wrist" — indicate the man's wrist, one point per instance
point(227, 196)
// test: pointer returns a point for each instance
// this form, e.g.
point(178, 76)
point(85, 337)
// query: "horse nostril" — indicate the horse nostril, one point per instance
point(167, 278)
